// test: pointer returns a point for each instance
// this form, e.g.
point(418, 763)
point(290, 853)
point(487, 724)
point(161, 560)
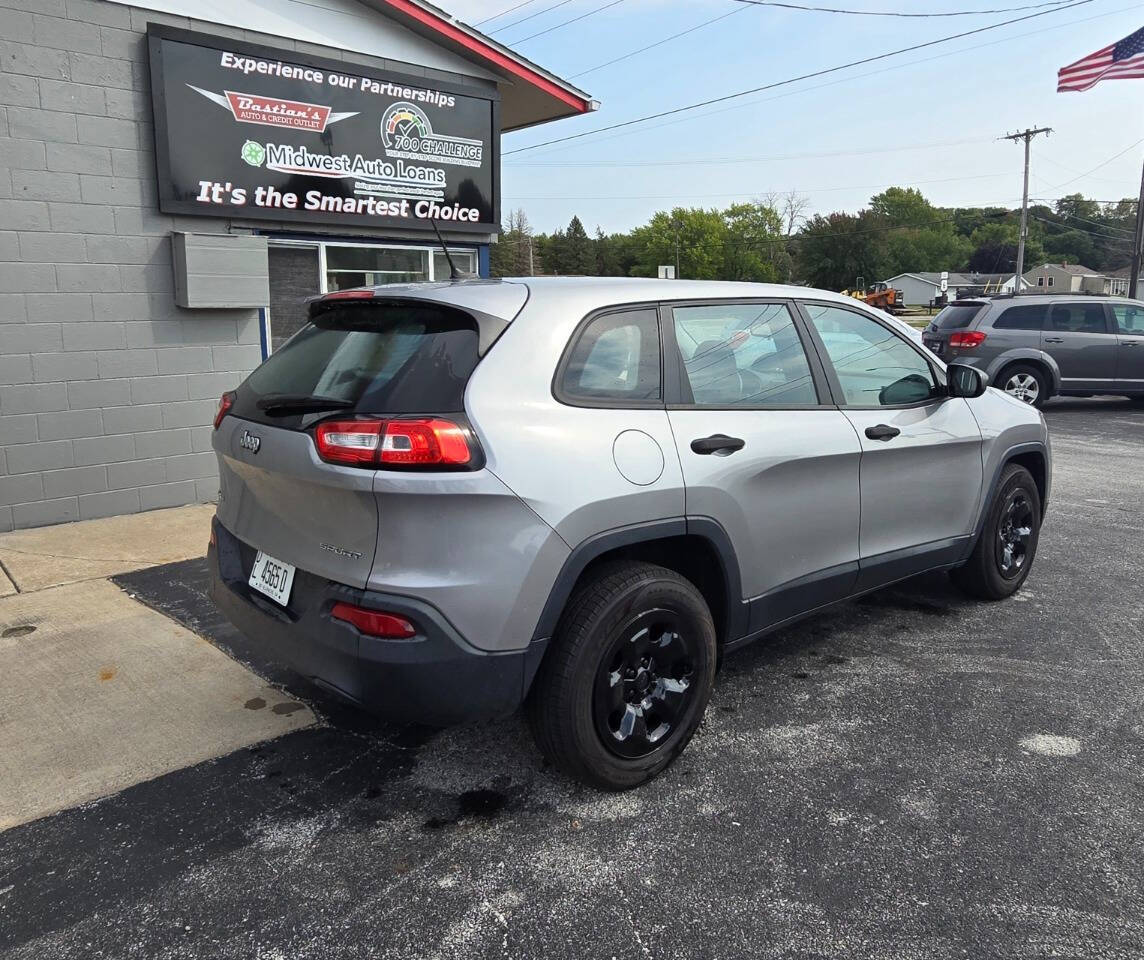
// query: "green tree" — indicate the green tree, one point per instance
point(833, 251)
point(755, 245)
point(697, 235)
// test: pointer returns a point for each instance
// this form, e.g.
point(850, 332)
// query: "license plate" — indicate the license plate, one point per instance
point(272, 577)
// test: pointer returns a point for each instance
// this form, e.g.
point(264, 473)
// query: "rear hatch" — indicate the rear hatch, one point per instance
point(361, 359)
point(957, 316)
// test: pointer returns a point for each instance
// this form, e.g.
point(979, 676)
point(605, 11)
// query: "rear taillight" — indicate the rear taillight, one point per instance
point(428, 442)
point(225, 402)
point(966, 338)
point(377, 623)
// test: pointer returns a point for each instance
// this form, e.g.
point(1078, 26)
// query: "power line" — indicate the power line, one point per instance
point(497, 16)
point(1095, 223)
point(805, 76)
point(870, 73)
point(898, 13)
point(674, 36)
point(531, 16)
point(750, 193)
point(1094, 233)
point(1115, 156)
point(727, 160)
point(582, 16)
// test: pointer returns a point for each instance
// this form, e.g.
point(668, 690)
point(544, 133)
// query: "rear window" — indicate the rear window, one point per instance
point(957, 316)
point(374, 358)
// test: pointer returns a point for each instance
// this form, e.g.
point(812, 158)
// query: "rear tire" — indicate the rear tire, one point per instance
point(1004, 552)
point(627, 679)
point(1025, 381)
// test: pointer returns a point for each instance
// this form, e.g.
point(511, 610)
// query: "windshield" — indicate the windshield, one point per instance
point(367, 358)
point(957, 316)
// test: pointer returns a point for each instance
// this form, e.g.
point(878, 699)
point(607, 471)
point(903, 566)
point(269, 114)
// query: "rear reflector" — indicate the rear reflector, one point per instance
point(225, 402)
point(966, 338)
point(426, 442)
point(377, 623)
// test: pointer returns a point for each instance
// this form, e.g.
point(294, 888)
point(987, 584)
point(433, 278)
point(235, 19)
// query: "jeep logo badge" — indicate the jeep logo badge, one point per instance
point(248, 441)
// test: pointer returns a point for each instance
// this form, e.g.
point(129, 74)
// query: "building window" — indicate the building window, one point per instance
point(300, 269)
point(1050, 281)
point(1040, 281)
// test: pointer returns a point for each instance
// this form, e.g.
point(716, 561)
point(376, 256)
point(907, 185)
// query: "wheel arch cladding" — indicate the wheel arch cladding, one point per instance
point(1034, 458)
point(1034, 358)
point(696, 548)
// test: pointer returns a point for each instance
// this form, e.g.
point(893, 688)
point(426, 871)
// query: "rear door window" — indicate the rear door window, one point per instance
point(368, 359)
point(615, 358)
point(1077, 318)
point(743, 355)
point(1024, 317)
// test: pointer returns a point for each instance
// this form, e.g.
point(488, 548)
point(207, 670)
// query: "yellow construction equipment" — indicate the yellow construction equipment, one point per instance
point(881, 296)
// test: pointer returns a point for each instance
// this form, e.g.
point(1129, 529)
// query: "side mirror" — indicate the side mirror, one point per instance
point(965, 381)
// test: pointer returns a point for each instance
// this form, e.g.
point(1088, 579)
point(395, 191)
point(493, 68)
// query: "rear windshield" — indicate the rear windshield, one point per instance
point(957, 316)
point(374, 358)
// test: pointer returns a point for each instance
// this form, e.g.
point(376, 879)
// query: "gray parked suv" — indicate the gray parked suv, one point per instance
point(441, 500)
point(1034, 346)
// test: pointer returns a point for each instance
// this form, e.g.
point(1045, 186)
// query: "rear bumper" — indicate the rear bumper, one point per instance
point(435, 677)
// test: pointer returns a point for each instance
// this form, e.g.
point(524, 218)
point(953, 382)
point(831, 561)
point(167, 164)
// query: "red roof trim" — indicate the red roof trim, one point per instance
point(489, 53)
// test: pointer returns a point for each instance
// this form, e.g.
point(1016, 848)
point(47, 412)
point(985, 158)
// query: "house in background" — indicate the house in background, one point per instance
point(1067, 278)
point(922, 288)
point(1118, 281)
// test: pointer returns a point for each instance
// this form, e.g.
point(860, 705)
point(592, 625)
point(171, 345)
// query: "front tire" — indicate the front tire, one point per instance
point(627, 680)
point(1026, 382)
point(1004, 552)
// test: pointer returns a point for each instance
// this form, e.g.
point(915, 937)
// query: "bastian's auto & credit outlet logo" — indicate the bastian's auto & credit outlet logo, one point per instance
point(274, 111)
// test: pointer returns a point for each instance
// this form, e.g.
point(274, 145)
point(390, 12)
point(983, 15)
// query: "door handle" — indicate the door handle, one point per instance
point(1054, 339)
point(716, 443)
point(883, 431)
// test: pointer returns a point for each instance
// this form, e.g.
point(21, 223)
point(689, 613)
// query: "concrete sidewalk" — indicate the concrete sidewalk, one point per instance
point(91, 549)
point(98, 691)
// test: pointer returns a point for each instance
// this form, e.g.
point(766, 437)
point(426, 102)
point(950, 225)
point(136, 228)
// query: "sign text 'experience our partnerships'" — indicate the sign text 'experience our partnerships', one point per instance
point(246, 132)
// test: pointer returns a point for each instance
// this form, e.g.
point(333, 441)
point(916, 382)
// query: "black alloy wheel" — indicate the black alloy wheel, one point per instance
point(1007, 544)
point(627, 676)
point(644, 684)
point(1014, 533)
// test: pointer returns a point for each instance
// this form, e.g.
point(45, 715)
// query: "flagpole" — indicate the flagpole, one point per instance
point(1137, 241)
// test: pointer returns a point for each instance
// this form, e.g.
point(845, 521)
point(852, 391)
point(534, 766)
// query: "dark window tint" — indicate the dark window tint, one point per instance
point(1077, 318)
point(395, 358)
point(743, 355)
point(957, 316)
point(1129, 319)
point(1029, 317)
point(875, 366)
point(615, 358)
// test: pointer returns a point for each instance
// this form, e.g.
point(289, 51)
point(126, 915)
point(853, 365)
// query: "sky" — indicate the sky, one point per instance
point(930, 118)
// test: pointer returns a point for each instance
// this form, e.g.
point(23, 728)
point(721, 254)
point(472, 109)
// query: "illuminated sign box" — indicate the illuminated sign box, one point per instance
point(248, 132)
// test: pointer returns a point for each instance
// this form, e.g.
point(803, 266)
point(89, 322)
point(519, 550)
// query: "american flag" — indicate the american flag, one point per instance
point(1120, 61)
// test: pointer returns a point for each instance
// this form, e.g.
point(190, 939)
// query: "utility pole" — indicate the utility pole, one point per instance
point(1027, 136)
point(1137, 241)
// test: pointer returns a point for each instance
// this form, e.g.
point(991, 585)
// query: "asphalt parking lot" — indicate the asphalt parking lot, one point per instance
point(912, 775)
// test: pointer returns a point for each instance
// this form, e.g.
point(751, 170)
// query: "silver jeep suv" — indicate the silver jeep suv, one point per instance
point(1035, 346)
point(444, 500)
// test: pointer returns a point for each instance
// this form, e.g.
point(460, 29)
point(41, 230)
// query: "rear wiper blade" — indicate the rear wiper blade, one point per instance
point(300, 403)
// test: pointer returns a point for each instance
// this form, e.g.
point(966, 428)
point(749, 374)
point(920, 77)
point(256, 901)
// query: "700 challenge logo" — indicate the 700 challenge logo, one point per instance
point(407, 134)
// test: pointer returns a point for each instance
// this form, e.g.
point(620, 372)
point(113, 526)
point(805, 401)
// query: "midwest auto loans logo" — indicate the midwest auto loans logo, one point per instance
point(407, 134)
point(392, 175)
point(274, 111)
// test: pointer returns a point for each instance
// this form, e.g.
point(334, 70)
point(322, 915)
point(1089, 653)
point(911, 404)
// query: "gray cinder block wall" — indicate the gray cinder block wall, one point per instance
point(107, 389)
